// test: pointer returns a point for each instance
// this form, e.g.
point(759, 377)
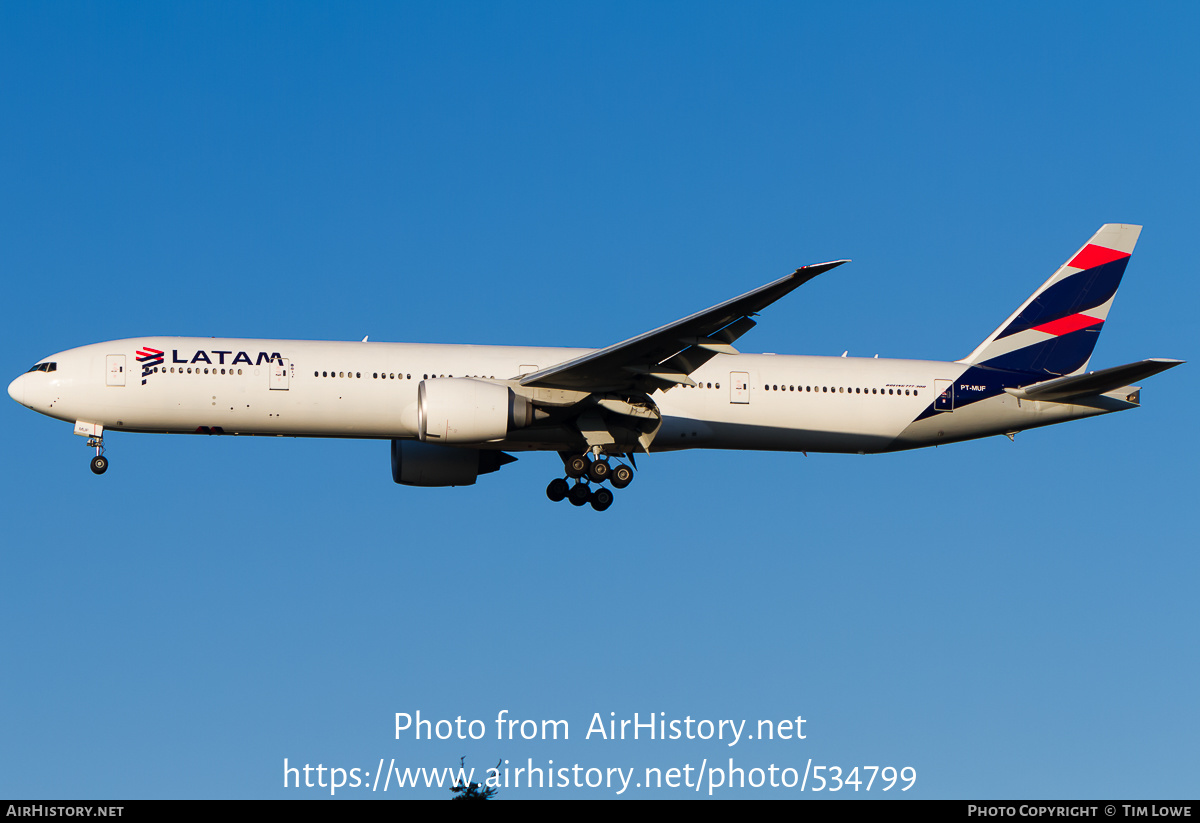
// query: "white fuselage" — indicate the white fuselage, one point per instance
point(369, 390)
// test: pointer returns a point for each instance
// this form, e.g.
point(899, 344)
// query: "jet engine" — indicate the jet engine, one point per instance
point(428, 464)
point(462, 410)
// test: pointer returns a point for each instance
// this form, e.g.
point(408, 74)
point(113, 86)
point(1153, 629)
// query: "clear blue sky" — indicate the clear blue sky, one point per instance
point(1011, 620)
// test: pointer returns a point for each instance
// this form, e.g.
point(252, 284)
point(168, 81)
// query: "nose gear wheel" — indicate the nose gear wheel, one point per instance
point(99, 462)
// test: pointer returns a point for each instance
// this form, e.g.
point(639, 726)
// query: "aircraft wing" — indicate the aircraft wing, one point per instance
point(666, 356)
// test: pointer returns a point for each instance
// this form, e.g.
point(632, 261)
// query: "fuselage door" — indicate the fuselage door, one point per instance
point(943, 400)
point(115, 370)
point(739, 387)
point(279, 374)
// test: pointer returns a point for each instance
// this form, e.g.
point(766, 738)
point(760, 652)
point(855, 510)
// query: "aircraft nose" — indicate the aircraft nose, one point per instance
point(16, 390)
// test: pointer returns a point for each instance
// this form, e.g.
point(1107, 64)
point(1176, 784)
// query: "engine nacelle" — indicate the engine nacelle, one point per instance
point(462, 410)
point(427, 464)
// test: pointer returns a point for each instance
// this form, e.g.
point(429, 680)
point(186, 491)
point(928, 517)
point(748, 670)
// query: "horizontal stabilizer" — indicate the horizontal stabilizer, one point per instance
point(1094, 383)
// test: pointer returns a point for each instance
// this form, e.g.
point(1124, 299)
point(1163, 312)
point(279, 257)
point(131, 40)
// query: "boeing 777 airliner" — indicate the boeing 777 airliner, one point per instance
point(452, 412)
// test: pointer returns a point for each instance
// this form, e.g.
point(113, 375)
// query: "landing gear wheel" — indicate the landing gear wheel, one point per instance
point(598, 471)
point(621, 476)
point(601, 499)
point(579, 494)
point(99, 464)
point(557, 490)
point(577, 466)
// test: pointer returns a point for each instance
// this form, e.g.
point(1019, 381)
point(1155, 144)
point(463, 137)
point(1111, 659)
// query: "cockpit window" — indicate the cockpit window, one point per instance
point(44, 367)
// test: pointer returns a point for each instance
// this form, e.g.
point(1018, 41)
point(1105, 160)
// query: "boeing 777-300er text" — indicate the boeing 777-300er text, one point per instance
point(452, 412)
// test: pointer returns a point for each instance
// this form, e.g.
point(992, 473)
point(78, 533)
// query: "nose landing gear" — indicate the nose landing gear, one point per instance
point(99, 462)
point(584, 470)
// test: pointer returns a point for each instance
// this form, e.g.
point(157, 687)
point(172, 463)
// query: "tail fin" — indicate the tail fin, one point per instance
point(1054, 331)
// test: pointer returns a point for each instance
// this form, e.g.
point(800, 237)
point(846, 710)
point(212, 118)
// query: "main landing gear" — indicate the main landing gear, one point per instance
point(583, 469)
point(99, 462)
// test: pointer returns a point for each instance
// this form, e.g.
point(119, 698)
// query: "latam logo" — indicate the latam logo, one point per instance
point(149, 358)
point(219, 356)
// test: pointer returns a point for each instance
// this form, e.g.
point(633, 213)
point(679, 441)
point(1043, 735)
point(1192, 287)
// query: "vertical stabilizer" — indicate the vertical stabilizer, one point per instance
point(1054, 332)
